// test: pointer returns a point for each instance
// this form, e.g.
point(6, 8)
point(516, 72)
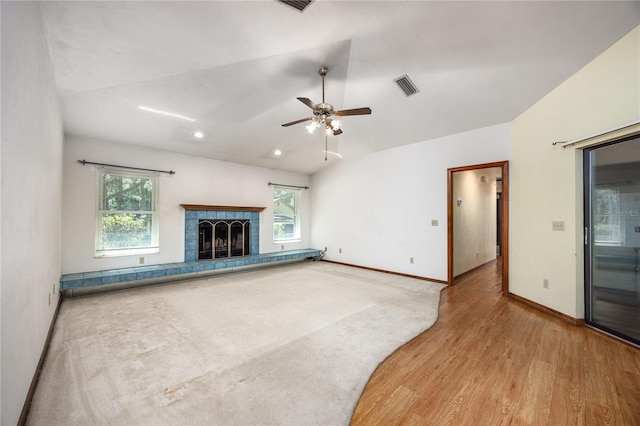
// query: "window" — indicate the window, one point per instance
point(127, 221)
point(608, 217)
point(286, 220)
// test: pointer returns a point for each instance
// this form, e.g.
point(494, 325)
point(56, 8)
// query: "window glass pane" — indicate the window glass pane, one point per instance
point(612, 253)
point(131, 193)
point(285, 217)
point(608, 217)
point(126, 230)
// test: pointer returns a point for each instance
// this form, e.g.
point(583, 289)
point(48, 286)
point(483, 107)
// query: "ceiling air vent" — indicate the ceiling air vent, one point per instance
point(299, 5)
point(406, 85)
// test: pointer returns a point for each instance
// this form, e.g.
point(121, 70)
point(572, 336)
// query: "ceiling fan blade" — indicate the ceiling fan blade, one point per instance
point(308, 102)
point(355, 111)
point(302, 120)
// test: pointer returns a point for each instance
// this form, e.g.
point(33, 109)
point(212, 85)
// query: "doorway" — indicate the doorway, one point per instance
point(612, 237)
point(501, 237)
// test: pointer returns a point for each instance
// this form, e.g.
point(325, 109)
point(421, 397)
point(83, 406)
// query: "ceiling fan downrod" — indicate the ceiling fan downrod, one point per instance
point(322, 72)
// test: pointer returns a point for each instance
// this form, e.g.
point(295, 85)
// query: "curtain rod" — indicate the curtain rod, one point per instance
point(575, 141)
point(287, 186)
point(85, 162)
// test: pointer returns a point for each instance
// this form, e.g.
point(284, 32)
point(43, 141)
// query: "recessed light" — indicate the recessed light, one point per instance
point(277, 153)
point(170, 114)
point(198, 134)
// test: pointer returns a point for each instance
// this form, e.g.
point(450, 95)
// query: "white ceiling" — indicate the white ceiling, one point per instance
point(236, 67)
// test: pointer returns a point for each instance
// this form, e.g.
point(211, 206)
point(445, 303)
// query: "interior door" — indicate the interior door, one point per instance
point(612, 238)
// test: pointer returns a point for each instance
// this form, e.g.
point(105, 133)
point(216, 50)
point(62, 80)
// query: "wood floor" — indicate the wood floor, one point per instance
point(490, 360)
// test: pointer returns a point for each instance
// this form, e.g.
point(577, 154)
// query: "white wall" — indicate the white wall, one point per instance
point(546, 181)
point(475, 225)
point(30, 201)
point(197, 181)
point(378, 209)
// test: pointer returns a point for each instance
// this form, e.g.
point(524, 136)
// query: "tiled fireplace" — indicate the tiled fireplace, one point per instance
point(206, 229)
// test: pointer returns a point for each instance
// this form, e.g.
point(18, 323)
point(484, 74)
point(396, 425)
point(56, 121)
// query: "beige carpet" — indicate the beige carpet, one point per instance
point(290, 345)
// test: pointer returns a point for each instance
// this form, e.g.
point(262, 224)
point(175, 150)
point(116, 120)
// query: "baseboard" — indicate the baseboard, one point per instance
point(578, 322)
point(387, 272)
point(43, 356)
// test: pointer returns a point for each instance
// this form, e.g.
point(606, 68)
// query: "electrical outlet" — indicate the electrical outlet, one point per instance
point(434, 222)
point(545, 283)
point(411, 260)
point(141, 260)
point(339, 250)
point(557, 225)
point(49, 299)
point(54, 288)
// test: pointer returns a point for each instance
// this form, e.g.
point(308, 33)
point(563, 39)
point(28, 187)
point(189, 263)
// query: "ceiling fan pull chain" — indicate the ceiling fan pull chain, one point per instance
point(325, 147)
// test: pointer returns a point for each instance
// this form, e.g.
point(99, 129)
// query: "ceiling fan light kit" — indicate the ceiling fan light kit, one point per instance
point(323, 113)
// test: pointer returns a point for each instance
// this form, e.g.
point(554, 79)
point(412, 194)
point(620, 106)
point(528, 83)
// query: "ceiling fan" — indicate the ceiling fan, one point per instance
point(323, 113)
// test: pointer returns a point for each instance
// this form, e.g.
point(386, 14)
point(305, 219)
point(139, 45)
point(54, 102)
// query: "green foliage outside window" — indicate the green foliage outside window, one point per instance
point(123, 230)
point(129, 193)
point(285, 214)
point(126, 212)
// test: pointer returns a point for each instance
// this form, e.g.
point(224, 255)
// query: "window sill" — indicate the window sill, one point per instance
point(127, 252)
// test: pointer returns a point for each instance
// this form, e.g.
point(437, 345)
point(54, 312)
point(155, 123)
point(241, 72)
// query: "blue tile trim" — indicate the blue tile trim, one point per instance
point(115, 276)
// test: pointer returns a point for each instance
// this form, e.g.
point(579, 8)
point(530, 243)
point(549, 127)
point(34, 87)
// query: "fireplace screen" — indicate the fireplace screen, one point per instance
point(219, 239)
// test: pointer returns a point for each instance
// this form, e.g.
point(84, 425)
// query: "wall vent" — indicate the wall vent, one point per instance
point(299, 5)
point(406, 85)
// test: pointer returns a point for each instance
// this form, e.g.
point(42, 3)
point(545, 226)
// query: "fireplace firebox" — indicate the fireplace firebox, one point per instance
point(218, 239)
point(248, 217)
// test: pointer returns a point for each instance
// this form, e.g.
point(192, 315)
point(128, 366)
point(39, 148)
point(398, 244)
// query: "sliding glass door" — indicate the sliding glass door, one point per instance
point(612, 237)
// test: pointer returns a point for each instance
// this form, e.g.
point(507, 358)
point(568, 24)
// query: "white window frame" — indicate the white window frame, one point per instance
point(297, 233)
point(154, 246)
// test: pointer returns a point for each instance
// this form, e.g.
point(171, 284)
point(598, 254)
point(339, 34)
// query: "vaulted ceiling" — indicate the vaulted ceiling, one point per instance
point(236, 68)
